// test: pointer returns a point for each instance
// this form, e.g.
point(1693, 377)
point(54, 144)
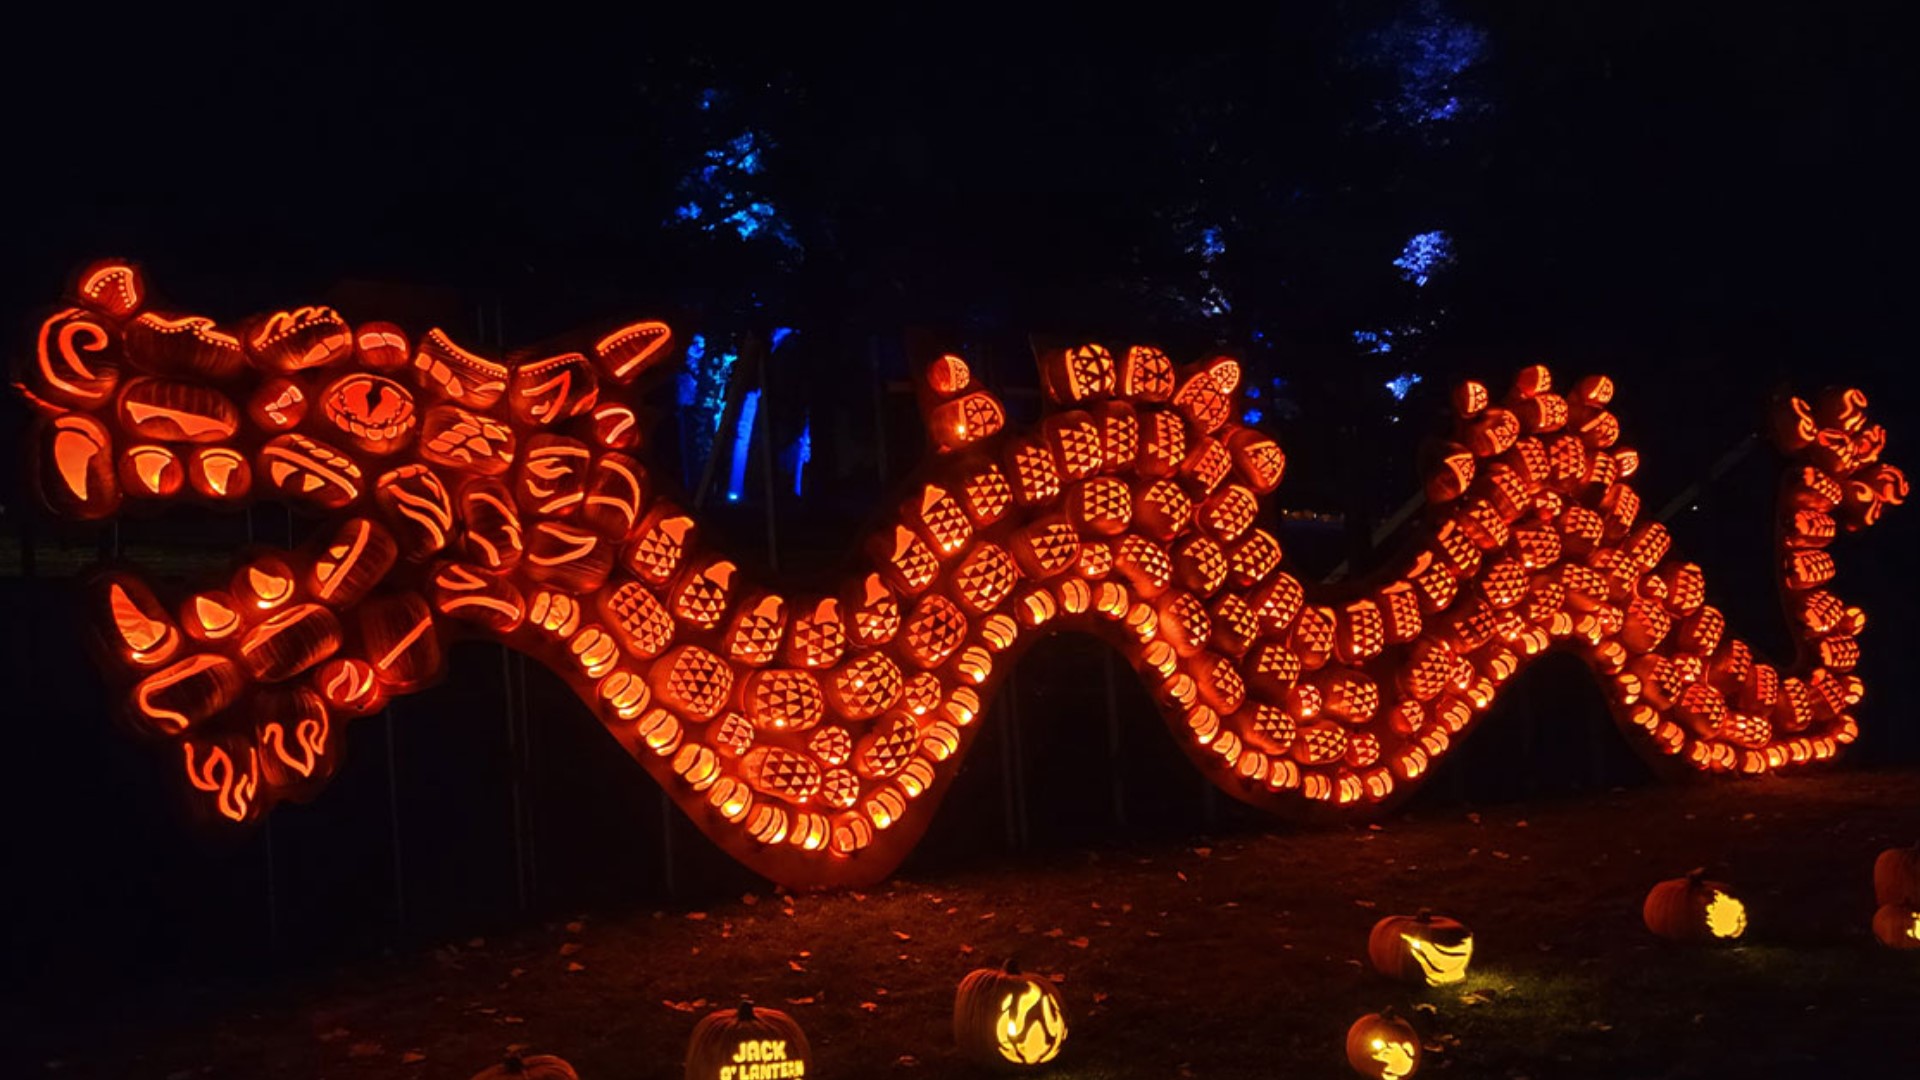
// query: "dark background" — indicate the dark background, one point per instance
point(1705, 203)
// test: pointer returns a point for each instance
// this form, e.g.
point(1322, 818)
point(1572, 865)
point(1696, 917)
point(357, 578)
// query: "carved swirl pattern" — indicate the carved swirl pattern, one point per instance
point(810, 734)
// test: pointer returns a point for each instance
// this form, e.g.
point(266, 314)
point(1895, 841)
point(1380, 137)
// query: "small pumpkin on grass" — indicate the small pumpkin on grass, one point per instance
point(1695, 909)
point(1897, 926)
point(1384, 1046)
point(518, 1066)
point(1424, 949)
point(1008, 1019)
point(1896, 876)
point(746, 1043)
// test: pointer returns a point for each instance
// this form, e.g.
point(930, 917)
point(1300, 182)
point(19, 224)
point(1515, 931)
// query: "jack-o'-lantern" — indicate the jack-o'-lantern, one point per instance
point(745, 1043)
point(1383, 1045)
point(1423, 949)
point(1897, 926)
point(529, 1067)
point(1896, 876)
point(1695, 909)
point(1004, 1018)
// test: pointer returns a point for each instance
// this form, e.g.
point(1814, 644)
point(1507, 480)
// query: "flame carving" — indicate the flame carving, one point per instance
point(811, 733)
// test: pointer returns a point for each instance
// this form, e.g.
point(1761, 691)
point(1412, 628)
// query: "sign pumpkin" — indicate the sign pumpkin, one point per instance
point(1694, 909)
point(745, 1043)
point(1896, 876)
point(1897, 926)
point(1384, 1046)
point(1004, 1018)
point(531, 1067)
point(1423, 949)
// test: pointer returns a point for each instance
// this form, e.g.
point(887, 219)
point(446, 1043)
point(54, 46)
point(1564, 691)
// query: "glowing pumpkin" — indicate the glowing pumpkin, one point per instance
point(1897, 926)
point(745, 1043)
point(1694, 909)
point(1896, 876)
point(1421, 949)
point(530, 1067)
point(1383, 1045)
point(1004, 1018)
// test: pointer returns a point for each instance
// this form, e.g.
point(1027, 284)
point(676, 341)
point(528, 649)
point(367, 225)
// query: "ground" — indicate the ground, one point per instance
point(1240, 956)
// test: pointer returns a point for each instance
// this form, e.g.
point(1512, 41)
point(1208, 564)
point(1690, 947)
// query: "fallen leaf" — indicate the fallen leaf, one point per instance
point(570, 948)
point(696, 916)
point(749, 899)
point(574, 967)
point(796, 965)
point(412, 1057)
point(576, 927)
point(802, 1001)
point(870, 1006)
point(1056, 932)
point(906, 1061)
point(1079, 943)
point(903, 935)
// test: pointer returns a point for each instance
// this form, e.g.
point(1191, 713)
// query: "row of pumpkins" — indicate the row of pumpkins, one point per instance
point(1428, 950)
point(1005, 1018)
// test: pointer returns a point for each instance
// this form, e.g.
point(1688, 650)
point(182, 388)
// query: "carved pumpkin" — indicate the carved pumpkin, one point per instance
point(746, 1043)
point(1383, 1045)
point(1694, 909)
point(1897, 926)
point(1004, 1018)
point(1422, 949)
point(1896, 876)
point(530, 1067)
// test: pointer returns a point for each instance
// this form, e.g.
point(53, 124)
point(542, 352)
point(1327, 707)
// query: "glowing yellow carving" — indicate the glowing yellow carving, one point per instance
point(1031, 1027)
point(1726, 917)
point(1913, 931)
point(1441, 964)
point(1395, 1058)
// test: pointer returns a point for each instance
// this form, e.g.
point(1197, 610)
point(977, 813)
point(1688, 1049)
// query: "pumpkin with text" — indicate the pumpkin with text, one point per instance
point(748, 1043)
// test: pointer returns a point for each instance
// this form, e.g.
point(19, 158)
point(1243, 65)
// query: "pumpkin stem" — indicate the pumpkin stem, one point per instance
point(1694, 875)
point(1011, 967)
point(514, 1063)
point(745, 1010)
point(1423, 915)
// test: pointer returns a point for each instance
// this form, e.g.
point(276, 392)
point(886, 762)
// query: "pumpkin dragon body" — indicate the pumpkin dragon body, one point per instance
point(811, 734)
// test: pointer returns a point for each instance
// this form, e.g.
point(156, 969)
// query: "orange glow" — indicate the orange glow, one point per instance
point(799, 729)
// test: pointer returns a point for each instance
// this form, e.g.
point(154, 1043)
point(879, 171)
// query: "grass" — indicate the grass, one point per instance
point(1233, 956)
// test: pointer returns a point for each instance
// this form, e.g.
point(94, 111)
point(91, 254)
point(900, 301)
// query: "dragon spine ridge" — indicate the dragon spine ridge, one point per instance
point(812, 735)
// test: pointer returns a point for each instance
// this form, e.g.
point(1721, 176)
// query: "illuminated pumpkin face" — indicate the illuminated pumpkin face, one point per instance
point(1425, 950)
point(1007, 1019)
point(1694, 909)
point(1383, 1045)
point(1897, 926)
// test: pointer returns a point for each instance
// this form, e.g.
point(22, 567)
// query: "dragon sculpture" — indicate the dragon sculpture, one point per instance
point(811, 735)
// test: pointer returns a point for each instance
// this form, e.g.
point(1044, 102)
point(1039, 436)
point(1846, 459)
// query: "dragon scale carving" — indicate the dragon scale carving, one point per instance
point(811, 734)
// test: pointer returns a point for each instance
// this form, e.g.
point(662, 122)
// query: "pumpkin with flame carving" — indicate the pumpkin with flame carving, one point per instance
point(1008, 1019)
point(1694, 909)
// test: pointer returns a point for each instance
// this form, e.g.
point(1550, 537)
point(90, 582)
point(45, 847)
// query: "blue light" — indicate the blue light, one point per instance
point(687, 212)
point(1427, 51)
point(742, 445)
point(1400, 384)
point(1374, 342)
point(1212, 243)
point(1425, 255)
point(687, 382)
point(707, 98)
point(1253, 392)
point(718, 193)
point(780, 334)
point(1252, 416)
point(802, 453)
